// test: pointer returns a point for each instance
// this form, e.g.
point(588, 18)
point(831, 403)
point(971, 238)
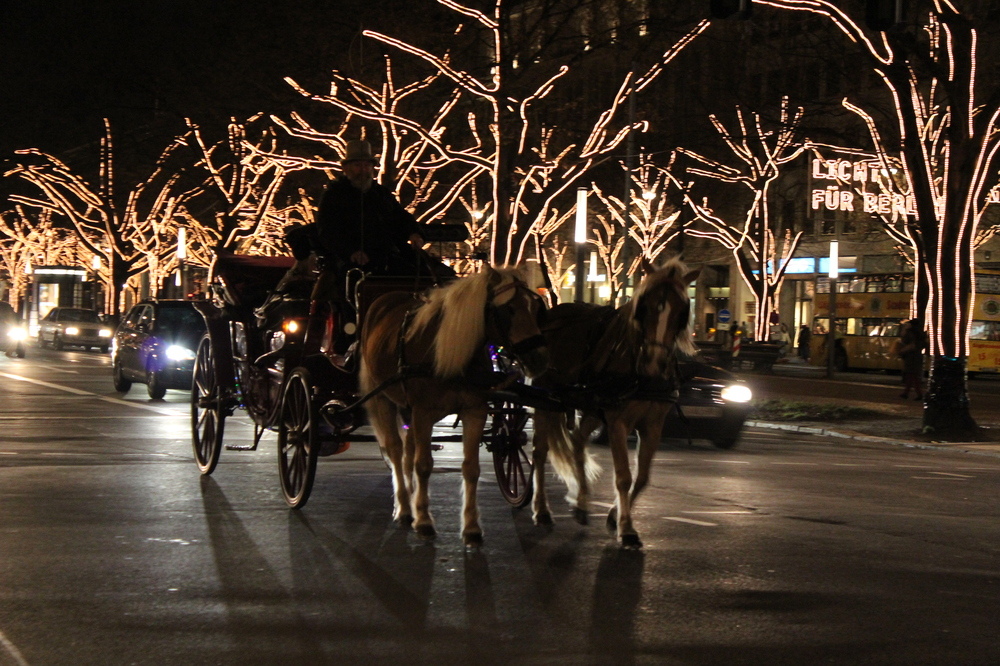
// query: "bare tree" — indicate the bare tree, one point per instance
point(761, 255)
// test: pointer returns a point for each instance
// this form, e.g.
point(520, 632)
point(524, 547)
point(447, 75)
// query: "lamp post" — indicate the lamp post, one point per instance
point(831, 341)
point(181, 258)
point(581, 241)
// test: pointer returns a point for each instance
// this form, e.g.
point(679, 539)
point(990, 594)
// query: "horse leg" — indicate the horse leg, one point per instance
point(473, 423)
point(650, 430)
point(382, 414)
point(419, 441)
point(618, 439)
point(545, 423)
point(581, 502)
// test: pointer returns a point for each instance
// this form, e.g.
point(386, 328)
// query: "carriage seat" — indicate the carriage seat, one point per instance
point(246, 280)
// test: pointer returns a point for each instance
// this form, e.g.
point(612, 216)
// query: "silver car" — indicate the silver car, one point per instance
point(74, 327)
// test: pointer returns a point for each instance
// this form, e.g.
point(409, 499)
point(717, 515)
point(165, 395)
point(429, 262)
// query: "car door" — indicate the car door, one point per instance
point(46, 326)
point(144, 340)
point(126, 344)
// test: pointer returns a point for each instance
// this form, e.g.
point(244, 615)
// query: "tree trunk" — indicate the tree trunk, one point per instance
point(946, 407)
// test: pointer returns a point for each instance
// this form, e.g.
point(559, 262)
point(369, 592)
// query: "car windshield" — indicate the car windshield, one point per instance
point(179, 320)
point(86, 316)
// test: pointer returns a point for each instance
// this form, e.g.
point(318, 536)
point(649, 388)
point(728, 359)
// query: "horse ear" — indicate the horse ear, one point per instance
point(691, 276)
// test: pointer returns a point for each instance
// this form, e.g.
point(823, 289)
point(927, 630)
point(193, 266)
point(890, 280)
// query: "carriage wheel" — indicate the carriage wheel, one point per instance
point(298, 445)
point(207, 417)
point(511, 462)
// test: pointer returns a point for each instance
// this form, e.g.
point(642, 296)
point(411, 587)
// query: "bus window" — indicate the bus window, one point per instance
point(857, 285)
point(908, 284)
point(985, 330)
point(893, 284)
point(875, 284)
point(855, 326)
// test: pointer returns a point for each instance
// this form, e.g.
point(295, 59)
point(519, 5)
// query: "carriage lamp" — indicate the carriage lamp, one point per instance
point(291, 326)
point(736, 393)
point(180, 353)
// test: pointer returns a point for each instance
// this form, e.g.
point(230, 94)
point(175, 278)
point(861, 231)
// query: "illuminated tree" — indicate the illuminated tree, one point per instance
point(30, 240)
point(760, 255)
point(505, 146)
point(131, 239)
point(946, 133)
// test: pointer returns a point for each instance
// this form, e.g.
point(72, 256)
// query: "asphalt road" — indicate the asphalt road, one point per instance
point(785, 550)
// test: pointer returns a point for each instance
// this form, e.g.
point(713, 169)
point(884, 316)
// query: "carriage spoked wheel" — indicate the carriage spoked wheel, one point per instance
point(298, 444)
point(208, 418)
point(511, 462)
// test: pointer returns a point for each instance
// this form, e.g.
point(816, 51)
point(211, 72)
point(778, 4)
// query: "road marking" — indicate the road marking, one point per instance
point(12, 650)
point(935, 478)
point(960, 476)
point(732, 462)
point(603, 504)
point(736, 512)
point(690, 521)
point(793, 463)
point(76, 391)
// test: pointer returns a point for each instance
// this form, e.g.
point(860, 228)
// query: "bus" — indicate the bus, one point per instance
point(870, 309)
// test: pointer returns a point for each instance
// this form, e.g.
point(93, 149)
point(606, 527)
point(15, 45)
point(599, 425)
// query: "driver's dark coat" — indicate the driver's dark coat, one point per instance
point(349, 220)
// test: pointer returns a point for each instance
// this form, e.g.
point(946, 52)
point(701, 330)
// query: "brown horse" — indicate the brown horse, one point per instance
point(619, 365)
point(433, 358)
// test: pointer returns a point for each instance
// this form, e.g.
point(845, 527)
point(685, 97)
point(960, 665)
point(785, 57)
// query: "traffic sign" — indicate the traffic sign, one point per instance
point(724, 316)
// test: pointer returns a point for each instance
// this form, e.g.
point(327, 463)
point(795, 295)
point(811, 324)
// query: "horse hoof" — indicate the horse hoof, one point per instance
point(543, 519)
point(426, 531)
point(631, 541)
point(580, 516)
point(404, 521)
point(473, 540)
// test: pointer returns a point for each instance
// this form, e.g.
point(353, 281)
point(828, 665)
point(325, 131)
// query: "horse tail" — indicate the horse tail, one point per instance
point(562, 453)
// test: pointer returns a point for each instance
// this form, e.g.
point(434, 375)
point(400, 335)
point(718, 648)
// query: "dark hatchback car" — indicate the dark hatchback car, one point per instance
point(712, 404)
point(156, 344)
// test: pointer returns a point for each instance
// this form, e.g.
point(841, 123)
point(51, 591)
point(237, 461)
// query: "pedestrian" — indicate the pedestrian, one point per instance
point(910, 348)
point(805, 336)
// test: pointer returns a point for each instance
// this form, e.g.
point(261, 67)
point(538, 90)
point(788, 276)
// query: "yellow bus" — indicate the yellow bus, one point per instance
point(870, 308)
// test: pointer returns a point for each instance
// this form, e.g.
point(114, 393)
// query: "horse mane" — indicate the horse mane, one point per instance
point(674, 270)
point(459, 310)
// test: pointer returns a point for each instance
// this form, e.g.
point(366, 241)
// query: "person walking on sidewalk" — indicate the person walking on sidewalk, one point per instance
point(805, 335)
point(911, 350)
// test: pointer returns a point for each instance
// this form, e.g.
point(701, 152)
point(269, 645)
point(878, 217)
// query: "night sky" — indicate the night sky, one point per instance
point(147, 64)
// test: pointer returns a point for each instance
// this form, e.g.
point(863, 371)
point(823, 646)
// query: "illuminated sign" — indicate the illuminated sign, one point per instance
point(846, 191)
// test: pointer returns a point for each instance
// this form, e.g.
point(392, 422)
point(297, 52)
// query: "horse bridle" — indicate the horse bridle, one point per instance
point(499, 316)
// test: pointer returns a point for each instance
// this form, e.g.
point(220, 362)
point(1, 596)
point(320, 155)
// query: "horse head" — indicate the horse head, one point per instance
point(661, 312)
point(514, 314)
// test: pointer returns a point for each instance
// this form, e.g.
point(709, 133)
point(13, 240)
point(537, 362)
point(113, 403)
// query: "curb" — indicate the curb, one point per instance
point(978, 448)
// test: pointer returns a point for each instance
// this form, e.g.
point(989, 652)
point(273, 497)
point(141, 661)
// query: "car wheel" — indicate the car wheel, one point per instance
point(154, 386)
point(724, 443)
point(104, 349)
point(122, 384)
point(41, 341)
point(19, 350)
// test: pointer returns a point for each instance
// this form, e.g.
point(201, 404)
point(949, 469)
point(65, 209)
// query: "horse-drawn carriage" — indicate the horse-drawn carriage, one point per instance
point(290, 362)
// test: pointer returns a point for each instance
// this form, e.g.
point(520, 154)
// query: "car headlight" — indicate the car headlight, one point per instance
point(72, 330)
point(736, 393)
point(105, 333)
point(17, 333)
point(179, 353)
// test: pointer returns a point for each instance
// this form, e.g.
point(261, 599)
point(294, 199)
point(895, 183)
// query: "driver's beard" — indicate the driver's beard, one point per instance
point(363, 183)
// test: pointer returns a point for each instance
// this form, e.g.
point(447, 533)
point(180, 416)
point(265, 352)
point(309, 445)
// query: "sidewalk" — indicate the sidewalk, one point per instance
point(795, 380)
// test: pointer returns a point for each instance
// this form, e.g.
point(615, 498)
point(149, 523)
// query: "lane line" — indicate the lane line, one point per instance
point(76, 391)
point(691, 521)
point(12, 650)
point(960, 476)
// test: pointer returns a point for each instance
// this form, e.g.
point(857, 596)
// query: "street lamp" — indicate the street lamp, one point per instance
point(831, 341)
point(181, 258)
point(581, 241)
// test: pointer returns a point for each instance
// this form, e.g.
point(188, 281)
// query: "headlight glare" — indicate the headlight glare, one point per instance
point(105, 333)
point(17, 333)
point(736, 393)
point(179, 353)
point(72, 330)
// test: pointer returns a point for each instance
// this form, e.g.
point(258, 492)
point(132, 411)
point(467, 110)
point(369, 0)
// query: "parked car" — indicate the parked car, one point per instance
point(13, 334)
point(156, 344)
point(74, 327)
point(712, 404)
